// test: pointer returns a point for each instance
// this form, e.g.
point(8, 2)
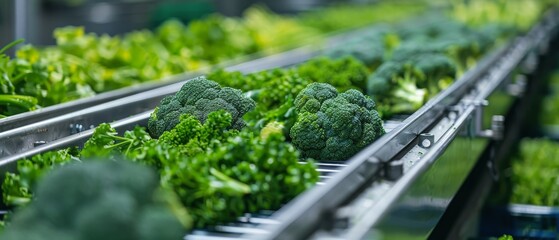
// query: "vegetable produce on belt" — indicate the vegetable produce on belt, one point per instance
point(217, 177)
point(100, 200)
point(199, 97)
point(332, 126)
point(232, 146)
point(83, 64)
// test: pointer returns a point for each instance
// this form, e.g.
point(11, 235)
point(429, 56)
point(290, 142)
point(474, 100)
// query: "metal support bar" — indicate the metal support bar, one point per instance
point(373, 214)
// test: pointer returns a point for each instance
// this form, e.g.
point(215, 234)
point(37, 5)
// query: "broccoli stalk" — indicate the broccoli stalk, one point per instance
point(395, 86)
point(407, 97)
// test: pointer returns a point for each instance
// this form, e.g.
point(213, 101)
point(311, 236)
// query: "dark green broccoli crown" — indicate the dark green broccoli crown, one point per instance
point(332, 126)
point(370, 52)
point(344, 73)
point(311, 97)
point(434, 65)
point(397, 86)
point(380, 82)
point(96, 199)
point(199, 97)
point(87, 184)
point(411, 49)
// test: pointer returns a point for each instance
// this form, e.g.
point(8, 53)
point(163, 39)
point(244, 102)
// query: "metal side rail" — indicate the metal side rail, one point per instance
point(461, 219)
point(247, 64)
point(371, 177)
point(121, 126)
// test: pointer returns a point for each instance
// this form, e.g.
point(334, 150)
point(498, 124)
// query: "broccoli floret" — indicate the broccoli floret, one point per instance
point(271, 128)
point(394, 85)
point(155, 223)
point(463, 45)
point(199, 97)
point(345, 73)
point(195, 137)
point(88, 182)
point(369, 47)
point(111, 216)
point(94, 200)
point(284, 115)
point(332, 126)
point(279, 86)
point(437, 70)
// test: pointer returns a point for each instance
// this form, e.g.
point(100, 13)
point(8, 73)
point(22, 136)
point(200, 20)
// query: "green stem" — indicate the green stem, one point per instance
point(26, 102)
point(119, 144)
point(16, 42)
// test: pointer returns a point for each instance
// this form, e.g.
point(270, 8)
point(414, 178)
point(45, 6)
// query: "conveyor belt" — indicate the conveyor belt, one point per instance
point(25, 131)
point(372, 170)
point(256, 223)
point(354, 196)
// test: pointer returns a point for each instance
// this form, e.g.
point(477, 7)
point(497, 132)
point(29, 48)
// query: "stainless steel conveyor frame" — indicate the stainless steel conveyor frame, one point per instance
point(370, 173)
point(354, 197)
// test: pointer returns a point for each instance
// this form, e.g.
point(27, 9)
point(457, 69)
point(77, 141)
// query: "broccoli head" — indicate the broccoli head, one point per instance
point(344, 73)
point(370, 53)
point(370, 48)
point(199, 97)
point(395, 86)
point(96, 200)
point(332, 126)
point(438, 71)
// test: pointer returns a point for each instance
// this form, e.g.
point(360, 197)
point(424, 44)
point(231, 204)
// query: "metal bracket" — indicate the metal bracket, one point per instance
point(497, 122)
point(76, 128)
point(394, 169)
point(543, 48)
point(38, 143)
point(426, 140)
point(517, 89)
point(342, 218)
point(530, 62)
